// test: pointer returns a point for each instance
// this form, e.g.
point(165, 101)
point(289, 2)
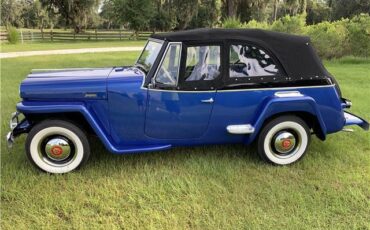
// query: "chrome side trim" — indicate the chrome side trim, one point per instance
point(288, 94)
point(240, 129)
point(347, 130)
point(241, 90)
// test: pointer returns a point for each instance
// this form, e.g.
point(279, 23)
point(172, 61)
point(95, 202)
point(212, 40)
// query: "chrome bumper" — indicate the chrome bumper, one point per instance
point(10, 139)
point(351, 119)
point(13, 123)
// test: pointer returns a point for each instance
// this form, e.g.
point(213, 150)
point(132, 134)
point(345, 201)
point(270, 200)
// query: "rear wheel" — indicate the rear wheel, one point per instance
point(57, 146)
point(284, 140)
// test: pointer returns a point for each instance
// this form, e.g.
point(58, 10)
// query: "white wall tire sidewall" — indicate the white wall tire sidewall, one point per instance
point(41, 135)
point(301, 149)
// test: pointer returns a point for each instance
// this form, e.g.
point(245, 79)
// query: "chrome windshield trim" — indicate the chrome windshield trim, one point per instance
point(150, 39)
point(144, 74)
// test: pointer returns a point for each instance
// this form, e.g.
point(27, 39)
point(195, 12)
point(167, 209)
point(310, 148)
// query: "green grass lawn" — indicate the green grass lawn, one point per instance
point(31, 46)
point(208, 187)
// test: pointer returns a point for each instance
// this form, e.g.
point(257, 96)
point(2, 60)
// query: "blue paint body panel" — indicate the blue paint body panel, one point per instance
point(128, 118)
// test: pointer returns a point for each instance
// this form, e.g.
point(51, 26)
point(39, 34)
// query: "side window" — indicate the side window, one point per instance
point(202, 63)
point(168, 72)
point(250, 61)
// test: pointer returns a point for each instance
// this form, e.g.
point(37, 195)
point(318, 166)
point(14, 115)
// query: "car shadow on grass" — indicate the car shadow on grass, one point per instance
point(175, 156)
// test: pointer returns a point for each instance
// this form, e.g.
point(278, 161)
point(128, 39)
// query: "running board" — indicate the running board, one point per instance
point(240, 129)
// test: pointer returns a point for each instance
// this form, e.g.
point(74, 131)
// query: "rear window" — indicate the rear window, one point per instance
point(250, 61)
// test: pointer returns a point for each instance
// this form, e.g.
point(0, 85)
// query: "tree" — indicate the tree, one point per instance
point(208, 14)
point(29, 14)
point(260, 10)
point(108, 14)
point(349, 8)
point(317, 12)
point(184, 11)
point(75, 12)
point(136, 14)
point(229, 8)
point(11, 13)
point(161, 19)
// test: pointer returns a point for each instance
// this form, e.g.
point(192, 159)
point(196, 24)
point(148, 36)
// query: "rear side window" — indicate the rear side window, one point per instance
point(202, 63)
point(250, 61)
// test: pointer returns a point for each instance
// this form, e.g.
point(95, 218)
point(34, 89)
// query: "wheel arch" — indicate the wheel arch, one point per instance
point(76, 118)
point(74, 112)
point(304, 107)
point(310, 119)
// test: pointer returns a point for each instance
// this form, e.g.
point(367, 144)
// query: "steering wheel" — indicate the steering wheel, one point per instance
point(238, 62)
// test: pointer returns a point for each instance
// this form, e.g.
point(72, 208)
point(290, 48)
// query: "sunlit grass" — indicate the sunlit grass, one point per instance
point(207, 187)
point(47, 45)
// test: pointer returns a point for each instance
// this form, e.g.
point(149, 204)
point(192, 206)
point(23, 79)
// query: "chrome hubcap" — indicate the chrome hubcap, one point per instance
point(284, 142)
point(57, 149)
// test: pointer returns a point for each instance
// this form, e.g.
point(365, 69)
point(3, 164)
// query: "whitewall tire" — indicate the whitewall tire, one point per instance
point(57, 146)
point(284, 140)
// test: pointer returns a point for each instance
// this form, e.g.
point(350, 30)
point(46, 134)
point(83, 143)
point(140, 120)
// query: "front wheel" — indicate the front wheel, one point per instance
point(284, 140)
point(57, 146)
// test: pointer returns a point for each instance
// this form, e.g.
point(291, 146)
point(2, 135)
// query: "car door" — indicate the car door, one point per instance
point(182, 92)
point(251, 73)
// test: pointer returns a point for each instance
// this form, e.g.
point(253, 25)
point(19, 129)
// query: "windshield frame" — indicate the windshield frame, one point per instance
point(161, 42)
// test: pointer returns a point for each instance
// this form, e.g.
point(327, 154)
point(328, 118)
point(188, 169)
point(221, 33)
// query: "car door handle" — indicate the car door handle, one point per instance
point(208, 100)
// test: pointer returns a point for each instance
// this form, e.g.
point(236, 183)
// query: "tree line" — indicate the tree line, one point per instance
point(165, 15)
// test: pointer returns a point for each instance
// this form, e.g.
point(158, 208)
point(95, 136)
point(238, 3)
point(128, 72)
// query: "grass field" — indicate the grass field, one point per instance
point(31, 46)
point(209, 187)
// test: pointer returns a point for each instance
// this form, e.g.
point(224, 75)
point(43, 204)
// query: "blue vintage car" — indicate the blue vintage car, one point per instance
point(196, 87)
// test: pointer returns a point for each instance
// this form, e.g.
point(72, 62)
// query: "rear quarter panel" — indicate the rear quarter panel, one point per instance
point(254, 107)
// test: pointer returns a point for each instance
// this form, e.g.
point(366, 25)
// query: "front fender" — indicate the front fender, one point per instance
point(36, 108)
point(273, 106)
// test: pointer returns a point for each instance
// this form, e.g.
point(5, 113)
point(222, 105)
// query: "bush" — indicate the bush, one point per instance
point(288, 24)
point(12, 35)
point(258, 25)
point(329, 39)
point(359, 35)
point(232, 23)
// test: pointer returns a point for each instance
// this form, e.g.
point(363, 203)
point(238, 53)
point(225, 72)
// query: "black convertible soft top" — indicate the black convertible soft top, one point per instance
point(294, 52)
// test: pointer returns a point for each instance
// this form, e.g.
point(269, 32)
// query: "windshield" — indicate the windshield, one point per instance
point(148, 56)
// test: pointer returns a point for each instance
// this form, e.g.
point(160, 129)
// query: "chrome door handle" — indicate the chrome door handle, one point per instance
point(208, 100)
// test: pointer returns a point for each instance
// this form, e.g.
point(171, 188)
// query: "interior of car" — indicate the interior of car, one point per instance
point(250, 61)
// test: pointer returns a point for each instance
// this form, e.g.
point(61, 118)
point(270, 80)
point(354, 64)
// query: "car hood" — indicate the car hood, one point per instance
point(69, 74)
point(84, 83)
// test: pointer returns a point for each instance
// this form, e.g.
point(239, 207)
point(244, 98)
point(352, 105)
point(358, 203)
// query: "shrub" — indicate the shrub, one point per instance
point(12, 35)
point(259, 25)
point(232, 23)
point(359, 35)
point(288, 24)
point(329, 39)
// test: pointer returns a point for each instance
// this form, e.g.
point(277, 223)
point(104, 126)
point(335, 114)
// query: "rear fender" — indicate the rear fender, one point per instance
point(273, 106)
